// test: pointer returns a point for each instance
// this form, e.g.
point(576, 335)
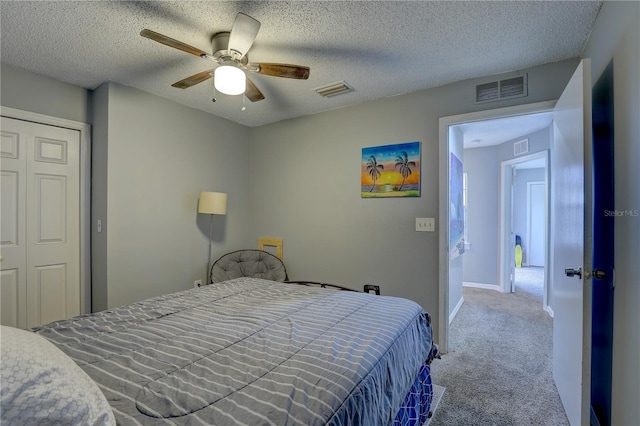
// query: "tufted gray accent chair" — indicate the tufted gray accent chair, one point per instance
point(248, 263)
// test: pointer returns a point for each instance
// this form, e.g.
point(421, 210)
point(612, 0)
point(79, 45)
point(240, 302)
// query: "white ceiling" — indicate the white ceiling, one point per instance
point(479, 134)
point(381, 48)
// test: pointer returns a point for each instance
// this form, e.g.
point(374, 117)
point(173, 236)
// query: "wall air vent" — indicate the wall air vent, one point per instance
point(333, 89)
point(514, 87)
point(520, 147)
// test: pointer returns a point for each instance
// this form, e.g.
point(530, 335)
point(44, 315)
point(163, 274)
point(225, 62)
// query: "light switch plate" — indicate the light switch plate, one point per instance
point(425, 224)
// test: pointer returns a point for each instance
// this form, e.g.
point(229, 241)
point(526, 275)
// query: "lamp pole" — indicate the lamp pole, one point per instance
point(212, 203)
point(208, 275)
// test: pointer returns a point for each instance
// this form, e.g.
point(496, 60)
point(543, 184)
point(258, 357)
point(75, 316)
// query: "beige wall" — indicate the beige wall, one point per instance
point(305, 183)
point(155, 157)
point(43, 95)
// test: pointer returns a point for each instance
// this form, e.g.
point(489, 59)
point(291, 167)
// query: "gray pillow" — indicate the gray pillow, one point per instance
point(248, 263)
point(42, 385)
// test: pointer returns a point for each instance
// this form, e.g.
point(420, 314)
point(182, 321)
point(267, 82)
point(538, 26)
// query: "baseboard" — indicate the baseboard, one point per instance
point(481, 285)
point(453, 314)
point(438, 391)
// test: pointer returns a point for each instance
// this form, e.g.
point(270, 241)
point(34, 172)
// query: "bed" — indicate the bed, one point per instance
point(251, 351)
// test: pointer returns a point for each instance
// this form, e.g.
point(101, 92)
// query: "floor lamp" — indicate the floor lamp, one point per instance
point(212, 203)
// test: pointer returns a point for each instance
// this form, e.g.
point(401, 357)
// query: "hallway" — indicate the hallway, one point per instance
point(498, 368)
point(530, 279)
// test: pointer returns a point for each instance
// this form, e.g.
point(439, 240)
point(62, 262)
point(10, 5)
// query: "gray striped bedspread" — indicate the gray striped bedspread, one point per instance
point(252, 352)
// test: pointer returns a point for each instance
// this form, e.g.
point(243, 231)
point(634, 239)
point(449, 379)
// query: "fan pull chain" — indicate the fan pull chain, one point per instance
point(214, 94)
point(244, 108)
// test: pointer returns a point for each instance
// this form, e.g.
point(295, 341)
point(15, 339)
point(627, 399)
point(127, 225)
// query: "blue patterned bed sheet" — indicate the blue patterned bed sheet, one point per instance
point(416, 407)
point(249, 352)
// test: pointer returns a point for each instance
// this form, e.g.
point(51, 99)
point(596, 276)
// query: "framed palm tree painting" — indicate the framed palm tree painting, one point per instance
point(390, 171)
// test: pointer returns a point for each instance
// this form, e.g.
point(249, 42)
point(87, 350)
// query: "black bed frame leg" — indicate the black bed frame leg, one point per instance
point(375, 288)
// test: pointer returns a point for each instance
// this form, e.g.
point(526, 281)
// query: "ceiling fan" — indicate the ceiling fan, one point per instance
point(230, 53)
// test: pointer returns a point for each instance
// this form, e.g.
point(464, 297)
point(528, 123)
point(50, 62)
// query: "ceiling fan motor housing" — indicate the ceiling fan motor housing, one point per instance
point(221, 52)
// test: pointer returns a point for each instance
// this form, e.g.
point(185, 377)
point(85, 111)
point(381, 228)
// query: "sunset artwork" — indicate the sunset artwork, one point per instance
point(390, 171)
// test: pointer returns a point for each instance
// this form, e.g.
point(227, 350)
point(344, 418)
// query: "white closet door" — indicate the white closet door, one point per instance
point(13, 274)
point(40, 223)
point(536, 223)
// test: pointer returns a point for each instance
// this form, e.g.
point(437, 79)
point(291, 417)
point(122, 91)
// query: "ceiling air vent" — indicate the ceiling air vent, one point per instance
point(334, 89)
point(520, 147)
point(514, 87)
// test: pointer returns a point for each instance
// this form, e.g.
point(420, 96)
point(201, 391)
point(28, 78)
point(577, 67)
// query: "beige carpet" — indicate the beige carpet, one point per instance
point(498, 369)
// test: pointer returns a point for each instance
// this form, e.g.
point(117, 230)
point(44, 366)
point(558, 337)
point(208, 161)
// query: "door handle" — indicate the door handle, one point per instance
point(570, 272)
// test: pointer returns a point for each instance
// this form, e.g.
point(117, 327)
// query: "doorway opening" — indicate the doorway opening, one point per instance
point(571, 225)
point(524, 228)
point(493, 260)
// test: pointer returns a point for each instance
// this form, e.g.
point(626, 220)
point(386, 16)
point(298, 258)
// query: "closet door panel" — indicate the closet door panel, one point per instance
point(41, 235)
point(13, 262)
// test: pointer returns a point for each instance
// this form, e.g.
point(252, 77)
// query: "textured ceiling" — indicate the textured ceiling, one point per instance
point(381, 48)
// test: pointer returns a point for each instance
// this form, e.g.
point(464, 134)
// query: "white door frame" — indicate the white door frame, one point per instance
point(443, 202)
point(506, 233)
point(85, 191)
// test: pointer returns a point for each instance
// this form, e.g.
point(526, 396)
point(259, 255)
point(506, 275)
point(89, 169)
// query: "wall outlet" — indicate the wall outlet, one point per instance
point(426, 224)
point(197, 283)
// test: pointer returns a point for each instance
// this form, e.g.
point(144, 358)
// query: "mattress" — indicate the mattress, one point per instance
point(250, 351)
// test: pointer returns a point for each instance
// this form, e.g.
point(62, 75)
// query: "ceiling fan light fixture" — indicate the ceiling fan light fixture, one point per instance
point(230, 80)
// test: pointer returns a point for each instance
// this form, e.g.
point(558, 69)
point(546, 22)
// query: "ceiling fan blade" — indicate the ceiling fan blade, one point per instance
point(243, 33)
point(193, 80)
point(252, 92)
point(168, 41)
point(282, 70)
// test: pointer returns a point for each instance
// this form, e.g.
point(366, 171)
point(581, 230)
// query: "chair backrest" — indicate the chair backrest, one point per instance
point(248, 263)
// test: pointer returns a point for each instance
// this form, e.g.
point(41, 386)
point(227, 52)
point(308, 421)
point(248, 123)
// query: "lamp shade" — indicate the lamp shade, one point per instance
point(212, 203)
point(230, 80)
